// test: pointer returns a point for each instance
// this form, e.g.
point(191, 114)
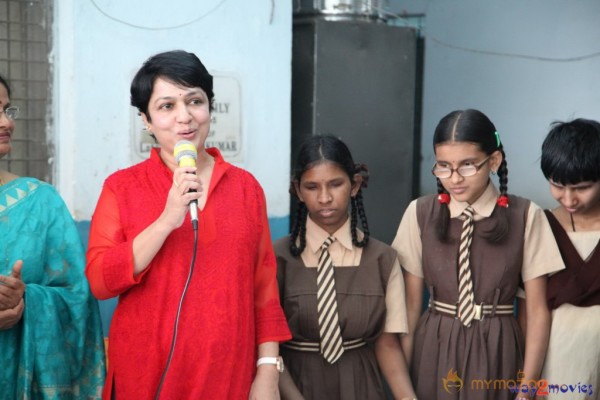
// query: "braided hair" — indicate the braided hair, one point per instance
point(327, 148)
point(472, 126)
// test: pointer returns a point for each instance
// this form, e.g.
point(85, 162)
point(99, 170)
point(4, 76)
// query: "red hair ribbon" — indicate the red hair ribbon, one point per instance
point(444, 198)
point(502, 201)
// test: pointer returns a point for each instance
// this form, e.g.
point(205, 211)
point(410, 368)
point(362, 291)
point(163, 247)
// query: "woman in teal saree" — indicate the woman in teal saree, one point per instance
point(51, 344)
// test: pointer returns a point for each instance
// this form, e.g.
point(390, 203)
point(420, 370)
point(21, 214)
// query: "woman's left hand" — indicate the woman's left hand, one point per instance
point(10, 317)
point(266, 384)
point(12, 287)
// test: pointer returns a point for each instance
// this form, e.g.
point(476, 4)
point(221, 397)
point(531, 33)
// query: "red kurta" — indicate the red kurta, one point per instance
point(232, 303)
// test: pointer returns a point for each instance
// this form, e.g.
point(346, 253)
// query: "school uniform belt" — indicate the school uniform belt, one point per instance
point(481, 310)
point(315, 346)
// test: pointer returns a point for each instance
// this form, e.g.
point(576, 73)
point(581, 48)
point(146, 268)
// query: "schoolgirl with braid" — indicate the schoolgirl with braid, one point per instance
point(470, 246)
point(341, 290)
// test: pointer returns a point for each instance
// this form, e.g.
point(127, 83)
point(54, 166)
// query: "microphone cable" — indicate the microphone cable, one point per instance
point(185, 288)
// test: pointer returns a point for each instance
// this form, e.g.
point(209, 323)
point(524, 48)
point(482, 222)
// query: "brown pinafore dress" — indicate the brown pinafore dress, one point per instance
point(361, 307)
point(450, 360)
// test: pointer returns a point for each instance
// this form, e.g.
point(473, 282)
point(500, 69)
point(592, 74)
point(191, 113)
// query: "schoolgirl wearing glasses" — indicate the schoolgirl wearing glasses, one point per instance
point(470, 246)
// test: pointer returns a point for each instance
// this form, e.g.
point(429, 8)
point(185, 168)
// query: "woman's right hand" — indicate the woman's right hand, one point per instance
point(12, 287)
point(151, 239)
point(186, 188)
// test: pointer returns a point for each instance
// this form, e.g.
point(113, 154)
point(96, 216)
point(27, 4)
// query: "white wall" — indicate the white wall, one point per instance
point(95, 57)
point(539, 73)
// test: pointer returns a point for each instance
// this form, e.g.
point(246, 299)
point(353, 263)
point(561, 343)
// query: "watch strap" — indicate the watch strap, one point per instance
point(277, 361)
point(267, 360)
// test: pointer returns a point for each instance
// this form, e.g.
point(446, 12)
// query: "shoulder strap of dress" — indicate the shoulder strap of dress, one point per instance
point(424, 205)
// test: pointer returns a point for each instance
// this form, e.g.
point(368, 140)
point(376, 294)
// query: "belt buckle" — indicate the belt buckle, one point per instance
point(479, 314)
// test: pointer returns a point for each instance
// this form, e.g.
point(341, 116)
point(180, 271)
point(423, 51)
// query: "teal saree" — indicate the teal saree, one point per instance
point(56, 351)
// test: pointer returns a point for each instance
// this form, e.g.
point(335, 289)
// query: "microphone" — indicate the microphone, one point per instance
point(186, 154)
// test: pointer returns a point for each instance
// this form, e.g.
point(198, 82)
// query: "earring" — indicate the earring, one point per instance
point(493, 172)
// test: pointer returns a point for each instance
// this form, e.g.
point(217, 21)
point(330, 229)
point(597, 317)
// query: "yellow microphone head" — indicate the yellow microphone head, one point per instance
point(185, 153)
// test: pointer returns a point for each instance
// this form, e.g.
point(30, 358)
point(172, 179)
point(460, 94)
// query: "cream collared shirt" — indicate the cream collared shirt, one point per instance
point(345, 255)
point(540, 253)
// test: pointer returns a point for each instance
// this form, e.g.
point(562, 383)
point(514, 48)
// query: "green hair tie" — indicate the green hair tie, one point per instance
point(497, 138)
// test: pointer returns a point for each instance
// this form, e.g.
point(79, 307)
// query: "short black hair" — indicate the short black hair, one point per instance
point(571, 152)
point(4, 83)
point(176, 66)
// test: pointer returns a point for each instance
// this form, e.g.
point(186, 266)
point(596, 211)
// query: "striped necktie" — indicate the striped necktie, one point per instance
point(466, 298)
point(329, 327)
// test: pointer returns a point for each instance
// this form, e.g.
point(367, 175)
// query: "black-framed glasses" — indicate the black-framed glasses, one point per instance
point(464, 170)
point(11, 112)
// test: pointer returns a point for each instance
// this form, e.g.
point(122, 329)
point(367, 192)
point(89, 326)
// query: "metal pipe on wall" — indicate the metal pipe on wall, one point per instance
point(339, 9)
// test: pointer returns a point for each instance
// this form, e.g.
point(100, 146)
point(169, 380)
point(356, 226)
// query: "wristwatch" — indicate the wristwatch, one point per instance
point(277, 361)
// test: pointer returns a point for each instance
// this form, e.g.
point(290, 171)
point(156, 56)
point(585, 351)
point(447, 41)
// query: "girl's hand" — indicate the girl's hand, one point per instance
point(186, 188)
point(12, 287)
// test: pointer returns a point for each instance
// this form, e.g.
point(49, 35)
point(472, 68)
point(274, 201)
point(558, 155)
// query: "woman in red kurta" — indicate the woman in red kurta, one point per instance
point(141, 246)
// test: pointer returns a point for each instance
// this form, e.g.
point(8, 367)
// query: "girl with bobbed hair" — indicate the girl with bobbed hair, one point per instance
point(571, 163)
point(470, 246)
